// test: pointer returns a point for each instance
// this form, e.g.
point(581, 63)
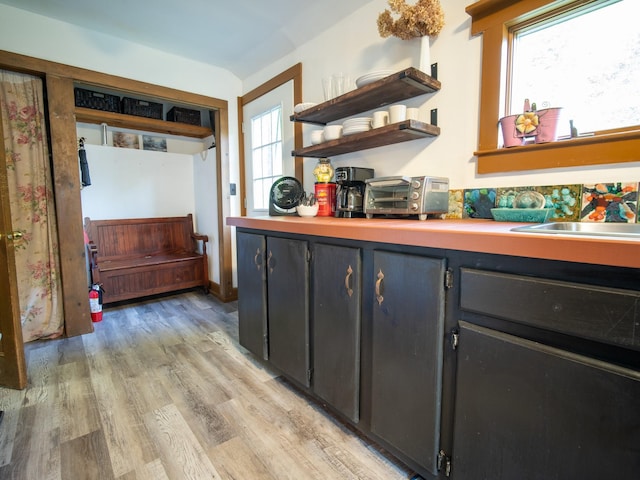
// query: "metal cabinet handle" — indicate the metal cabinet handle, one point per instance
point(346, 281)
point(257, 260)
point(379, 297)
point(269, 257)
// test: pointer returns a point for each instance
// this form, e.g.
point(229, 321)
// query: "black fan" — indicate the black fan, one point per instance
point(285, 196)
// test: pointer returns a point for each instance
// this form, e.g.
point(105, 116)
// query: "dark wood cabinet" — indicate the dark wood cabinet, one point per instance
point(529, 411)
point(407, 354)
point(337, 291)
point(461, 364)
point(545, 384)
point(288, 306)
point(273, 309)
point(252, 304)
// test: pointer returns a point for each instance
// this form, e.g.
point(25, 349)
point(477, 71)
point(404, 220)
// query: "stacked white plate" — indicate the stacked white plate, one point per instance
point(356, 125)
point(372, 77)
point(301, 107)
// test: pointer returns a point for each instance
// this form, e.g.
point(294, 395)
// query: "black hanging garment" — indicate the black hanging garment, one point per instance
point(84, 165)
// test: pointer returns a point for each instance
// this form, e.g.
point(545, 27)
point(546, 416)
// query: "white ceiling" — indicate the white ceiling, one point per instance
point(241, 36)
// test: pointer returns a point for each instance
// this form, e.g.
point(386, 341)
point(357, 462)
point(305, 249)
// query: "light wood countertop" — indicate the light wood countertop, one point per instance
point(485, 236)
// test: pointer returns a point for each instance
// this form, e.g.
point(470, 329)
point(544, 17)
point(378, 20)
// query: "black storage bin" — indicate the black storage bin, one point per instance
point(97, 100)
point(184, 115)
point(141, 108)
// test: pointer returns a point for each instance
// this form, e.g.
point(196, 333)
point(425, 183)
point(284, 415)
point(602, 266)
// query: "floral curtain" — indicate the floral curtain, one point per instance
point(32, 205)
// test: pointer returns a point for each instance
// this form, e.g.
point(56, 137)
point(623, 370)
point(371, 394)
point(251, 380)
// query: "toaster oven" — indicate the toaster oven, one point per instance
point(404, 195)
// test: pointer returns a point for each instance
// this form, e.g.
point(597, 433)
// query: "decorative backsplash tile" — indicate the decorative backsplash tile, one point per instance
point(598, 202)
point(565, 201)
point(479, 202)
point(456, 204)
point(609, 202)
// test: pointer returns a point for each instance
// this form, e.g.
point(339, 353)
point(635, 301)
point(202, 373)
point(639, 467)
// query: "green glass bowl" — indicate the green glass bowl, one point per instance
point(529, 215)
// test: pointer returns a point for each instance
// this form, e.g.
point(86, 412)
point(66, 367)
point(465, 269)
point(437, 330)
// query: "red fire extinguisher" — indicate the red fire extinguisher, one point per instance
point(95, 303)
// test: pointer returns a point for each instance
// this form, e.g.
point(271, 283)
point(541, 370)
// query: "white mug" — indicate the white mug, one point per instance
point(380, 119)
point(397, 113)
point(413, 114)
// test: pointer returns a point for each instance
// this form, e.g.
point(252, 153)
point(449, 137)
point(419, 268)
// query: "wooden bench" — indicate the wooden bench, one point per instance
point(136, 257)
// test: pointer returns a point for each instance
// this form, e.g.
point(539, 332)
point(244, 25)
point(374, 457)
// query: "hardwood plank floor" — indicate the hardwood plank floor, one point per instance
point(162, 390)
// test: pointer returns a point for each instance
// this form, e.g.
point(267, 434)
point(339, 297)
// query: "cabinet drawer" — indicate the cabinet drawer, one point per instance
point(597, 313)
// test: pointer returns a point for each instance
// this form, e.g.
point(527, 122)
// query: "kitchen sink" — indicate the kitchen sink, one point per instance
point(628, 230)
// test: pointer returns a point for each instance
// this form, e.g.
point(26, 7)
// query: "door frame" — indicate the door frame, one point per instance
point(13, 367)
point(293, 73)
point(60, 80)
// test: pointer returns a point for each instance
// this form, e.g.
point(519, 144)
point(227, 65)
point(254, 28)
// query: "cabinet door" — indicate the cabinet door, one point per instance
point(529, 411)
point(336, 327)
point(407, 336)
point(252, 293)
point(288, 300)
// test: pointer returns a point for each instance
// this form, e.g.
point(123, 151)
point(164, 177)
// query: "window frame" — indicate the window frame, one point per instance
point(492, 19)
point(270, 145)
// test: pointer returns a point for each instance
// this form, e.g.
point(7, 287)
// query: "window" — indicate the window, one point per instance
point(266, 148)
point(496, 21)
point(585, 60)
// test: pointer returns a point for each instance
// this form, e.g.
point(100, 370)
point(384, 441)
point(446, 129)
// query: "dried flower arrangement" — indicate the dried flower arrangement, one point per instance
point(425, 18)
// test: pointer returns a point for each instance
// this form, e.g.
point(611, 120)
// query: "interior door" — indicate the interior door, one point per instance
point(282, 95)
point(13, 370)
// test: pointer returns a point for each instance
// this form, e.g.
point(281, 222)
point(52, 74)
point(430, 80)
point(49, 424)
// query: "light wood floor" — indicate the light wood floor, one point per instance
point(162, 390)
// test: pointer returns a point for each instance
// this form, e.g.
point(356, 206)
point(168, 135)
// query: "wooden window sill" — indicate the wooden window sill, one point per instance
point(575, 152)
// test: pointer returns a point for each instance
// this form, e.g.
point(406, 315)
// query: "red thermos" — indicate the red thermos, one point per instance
point(326, 198)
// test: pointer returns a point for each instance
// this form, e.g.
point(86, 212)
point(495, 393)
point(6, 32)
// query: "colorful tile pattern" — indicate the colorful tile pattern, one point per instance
point(598, 202)
point(479, 202)
point(566, 201)
point(456, 204)
point(609, 202)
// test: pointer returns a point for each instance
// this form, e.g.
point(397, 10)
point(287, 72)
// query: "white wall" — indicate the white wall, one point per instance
point(41, 37)
point(354, 46)
point(128, 183)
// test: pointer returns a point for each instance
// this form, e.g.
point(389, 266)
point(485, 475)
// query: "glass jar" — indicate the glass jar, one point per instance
point(323, 171)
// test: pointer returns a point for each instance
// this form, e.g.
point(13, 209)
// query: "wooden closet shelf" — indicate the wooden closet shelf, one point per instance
point(88, 115)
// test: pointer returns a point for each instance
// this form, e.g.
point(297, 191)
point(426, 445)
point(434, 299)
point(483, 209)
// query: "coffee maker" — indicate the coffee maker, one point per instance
point(350, 190)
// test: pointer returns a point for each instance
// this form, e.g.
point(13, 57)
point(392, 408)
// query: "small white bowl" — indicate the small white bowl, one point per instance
point(332, 132)
point(316, 137)
point(308, 210)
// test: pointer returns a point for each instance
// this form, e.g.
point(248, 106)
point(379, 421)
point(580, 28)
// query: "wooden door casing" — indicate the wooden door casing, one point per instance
point(13, 369)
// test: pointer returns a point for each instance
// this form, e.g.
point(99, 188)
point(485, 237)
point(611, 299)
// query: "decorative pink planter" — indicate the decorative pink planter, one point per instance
point(510, 135)
point(546, 131)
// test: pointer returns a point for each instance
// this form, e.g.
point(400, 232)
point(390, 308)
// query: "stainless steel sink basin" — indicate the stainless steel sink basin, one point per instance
point(629, 230)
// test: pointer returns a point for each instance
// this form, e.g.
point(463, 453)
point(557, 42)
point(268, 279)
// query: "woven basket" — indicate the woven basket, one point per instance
point(97, 100)
point(184, 115)
point(141, 108)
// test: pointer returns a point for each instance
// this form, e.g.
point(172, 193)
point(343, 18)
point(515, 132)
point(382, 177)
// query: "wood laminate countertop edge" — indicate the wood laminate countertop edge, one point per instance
point(483, 236)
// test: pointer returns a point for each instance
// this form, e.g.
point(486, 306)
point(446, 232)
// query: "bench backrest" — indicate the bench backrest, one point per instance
point(124, 238)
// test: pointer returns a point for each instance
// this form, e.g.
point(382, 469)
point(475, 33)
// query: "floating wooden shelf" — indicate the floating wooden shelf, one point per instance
point(88, 115)
point(387, 135)
point(399, 86)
